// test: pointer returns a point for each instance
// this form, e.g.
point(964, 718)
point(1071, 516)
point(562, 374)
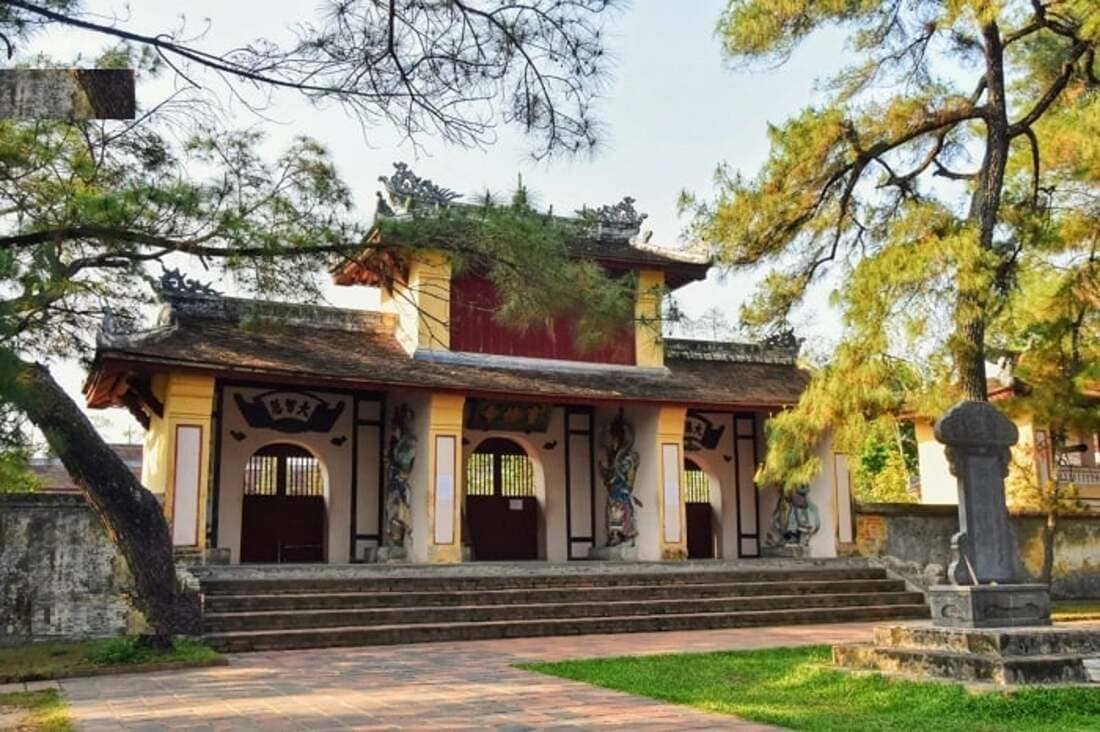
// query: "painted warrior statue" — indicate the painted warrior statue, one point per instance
point(795, 519)
point(618, 468)
point(400, 456)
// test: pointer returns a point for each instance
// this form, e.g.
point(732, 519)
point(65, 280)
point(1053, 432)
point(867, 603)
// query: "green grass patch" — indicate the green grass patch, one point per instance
point(35, 711)
point(57, 660)
point(797, 688)
point(1070, 610)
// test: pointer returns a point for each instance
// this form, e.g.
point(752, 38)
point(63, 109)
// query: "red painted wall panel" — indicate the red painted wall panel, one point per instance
point(474, 328)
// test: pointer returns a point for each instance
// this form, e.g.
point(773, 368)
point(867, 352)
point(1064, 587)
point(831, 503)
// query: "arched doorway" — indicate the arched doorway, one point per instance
point(502, 510)
point(283, 511)
point(700, 514)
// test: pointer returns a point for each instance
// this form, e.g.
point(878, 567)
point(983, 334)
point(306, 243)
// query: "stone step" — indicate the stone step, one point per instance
point(1015, 642)
point(441, 583)
point(431, 632)
point(958, 666)
point(219, 603)
point(224, 622)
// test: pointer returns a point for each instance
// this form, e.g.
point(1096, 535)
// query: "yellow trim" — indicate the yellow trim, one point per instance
point(670, 430)
point(188, 401)
point(445, 420)
point(649, 348)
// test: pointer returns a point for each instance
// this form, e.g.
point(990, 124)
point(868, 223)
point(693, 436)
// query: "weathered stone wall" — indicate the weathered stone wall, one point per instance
point(60, 575)
point(914, 540)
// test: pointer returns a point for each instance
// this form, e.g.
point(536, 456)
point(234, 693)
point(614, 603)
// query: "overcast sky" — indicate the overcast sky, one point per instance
point(673, 110)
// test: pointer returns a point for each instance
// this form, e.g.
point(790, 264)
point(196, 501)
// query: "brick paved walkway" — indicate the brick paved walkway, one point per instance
point(428, 686)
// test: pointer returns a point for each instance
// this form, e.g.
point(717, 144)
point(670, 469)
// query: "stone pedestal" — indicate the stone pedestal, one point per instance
point(619, 553)
point(1000, 656)
point(391, 555)
point(990, 606)
point(785, 551)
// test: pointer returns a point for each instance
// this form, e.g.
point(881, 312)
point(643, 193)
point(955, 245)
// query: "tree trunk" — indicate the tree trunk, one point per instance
point(1049, 534)
point(968, 346)
point(131, 514)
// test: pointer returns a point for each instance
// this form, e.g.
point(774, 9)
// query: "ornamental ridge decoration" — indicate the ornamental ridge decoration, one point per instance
point(782, 338)
point(621, 215)
point(405, 187)
point(173, 282)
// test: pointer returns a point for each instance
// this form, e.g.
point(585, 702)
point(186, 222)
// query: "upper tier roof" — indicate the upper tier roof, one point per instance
point(612, 235)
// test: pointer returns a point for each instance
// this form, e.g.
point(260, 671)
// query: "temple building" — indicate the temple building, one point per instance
point(427, 431)
point(1036, 458)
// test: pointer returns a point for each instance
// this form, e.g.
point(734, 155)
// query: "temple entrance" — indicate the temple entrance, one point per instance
point(700, 513)
point(283, 511)
point(502, 510)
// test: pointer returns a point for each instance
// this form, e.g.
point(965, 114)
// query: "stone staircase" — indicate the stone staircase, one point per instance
point(247, 609)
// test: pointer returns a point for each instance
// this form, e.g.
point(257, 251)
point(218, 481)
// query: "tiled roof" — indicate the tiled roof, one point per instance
point(54, 478)
point(358, 349)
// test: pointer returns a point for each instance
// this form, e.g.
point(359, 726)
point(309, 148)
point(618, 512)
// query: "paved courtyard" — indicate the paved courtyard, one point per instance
point(428, 686)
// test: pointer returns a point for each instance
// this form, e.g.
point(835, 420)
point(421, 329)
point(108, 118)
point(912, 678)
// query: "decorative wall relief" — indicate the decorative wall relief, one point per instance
point(700, 433)
point(795, 520)
point(492, 415)
point(289, 411)
point(618, 469)
point(400, 457)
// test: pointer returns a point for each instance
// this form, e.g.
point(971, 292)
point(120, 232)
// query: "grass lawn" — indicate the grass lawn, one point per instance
point(56, 660)
point(1068, 610)
point(796, 688)
point(37, 711)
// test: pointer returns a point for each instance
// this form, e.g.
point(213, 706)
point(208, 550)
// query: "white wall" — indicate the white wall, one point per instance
point(937, 485)
point(823, 494)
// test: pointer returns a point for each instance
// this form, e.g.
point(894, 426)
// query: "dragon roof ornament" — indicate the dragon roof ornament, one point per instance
point(620, 218)
point(173, 283)
point(405, 190)
point(782, 338)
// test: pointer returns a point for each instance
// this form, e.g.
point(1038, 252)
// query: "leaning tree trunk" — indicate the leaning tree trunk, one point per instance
point(131, 513)
point(968, 346)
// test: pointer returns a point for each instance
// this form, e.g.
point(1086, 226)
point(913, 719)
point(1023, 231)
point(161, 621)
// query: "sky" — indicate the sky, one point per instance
point(673, 110)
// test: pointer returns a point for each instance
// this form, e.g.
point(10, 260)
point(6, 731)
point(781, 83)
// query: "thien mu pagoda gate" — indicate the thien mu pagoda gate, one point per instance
point(427, 433)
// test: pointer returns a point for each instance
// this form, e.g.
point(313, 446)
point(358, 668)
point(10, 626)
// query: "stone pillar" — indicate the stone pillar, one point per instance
point(986, 589)
point(176, 460)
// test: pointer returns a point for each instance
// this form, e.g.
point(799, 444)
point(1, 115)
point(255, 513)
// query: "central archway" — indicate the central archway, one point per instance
point(283, 515)
point(502, 508)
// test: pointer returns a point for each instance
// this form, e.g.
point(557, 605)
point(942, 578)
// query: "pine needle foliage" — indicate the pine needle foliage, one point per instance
point(953, 158)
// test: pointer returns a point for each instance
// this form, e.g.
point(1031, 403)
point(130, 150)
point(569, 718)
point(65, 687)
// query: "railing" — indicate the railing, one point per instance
point(1078, 476)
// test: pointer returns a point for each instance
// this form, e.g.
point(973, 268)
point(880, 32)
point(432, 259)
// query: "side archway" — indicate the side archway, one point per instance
point(703, 499)
point(283, 516)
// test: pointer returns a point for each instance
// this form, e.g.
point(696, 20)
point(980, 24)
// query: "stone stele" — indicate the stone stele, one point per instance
point(986, 587)
point(988, 626)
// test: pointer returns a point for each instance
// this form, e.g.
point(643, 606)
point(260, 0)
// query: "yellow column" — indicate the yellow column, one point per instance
point(432, 284)
point(177, 451)
point(445, 478)
point(649, 348)
point(671, 509)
